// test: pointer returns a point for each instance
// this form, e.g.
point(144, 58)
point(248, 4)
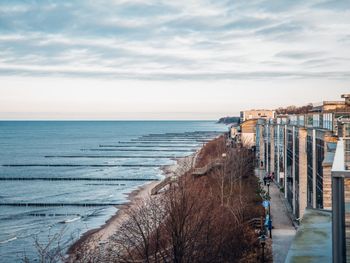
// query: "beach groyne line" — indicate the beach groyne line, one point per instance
point(196, 133)
point(177, 137)
point(114, 156)
point(145, 146)
point(57, 204)
point(169, 140)
point(82, 165)
point(74, 179)
point(51, 214)
point(163, 143)
point(139, 150)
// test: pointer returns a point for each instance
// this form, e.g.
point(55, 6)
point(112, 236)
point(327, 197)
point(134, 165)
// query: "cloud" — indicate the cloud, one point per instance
point(169, 40)
point(299, 54)
point(338, 5)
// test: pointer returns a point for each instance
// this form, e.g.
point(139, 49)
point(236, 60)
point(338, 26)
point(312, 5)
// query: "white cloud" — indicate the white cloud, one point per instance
point(195, 40)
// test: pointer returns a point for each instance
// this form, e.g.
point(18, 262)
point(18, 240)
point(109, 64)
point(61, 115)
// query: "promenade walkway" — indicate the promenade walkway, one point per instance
point(283, 230)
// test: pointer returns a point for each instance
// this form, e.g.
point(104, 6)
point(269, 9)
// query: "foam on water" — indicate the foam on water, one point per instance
point(42, 165)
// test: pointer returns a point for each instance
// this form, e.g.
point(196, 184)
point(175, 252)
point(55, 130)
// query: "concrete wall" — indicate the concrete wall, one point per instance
point(327, 186)
point(255, 114)
point(302, 172)
point(327, 172)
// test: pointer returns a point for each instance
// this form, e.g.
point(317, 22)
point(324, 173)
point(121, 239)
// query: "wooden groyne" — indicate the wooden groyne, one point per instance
point(171, 140)
point(74, 179)
point(113, 156)
point(82, 165)
point(139, 150)
point(164, 143)
point(57, 204)
point(144, 146)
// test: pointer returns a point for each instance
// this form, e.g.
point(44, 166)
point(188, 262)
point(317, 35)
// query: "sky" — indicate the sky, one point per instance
point(183, 59)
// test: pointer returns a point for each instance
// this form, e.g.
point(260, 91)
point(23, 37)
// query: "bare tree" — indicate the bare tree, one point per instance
point(139, 238)
point(49, 251)
point(197, 219)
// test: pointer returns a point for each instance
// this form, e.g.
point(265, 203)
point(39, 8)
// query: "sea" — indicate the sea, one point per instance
point(60, 179)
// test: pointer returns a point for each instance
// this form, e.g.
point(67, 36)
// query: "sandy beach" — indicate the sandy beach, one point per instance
point(94, 238)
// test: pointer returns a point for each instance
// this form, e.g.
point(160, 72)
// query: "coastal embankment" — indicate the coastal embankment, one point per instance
point(93, 240)
point(209, 216)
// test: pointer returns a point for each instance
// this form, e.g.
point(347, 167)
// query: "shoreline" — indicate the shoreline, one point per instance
point(88, 236)
point(94, 238)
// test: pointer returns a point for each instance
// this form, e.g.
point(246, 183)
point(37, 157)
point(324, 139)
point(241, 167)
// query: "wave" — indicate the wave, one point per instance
point(8, 240)
point(70, 220)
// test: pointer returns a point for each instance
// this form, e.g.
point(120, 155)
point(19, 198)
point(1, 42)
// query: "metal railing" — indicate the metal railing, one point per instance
point(339, 173)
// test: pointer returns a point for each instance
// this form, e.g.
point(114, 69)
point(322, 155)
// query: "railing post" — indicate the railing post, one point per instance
point(338, 220)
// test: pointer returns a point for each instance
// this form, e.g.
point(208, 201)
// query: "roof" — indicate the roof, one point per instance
point(250, 120)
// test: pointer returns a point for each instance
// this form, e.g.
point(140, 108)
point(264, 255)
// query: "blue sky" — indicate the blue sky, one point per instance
point(184, 59)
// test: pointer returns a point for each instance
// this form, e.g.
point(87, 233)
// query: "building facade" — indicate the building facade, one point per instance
point(299, 151)
point(256, 114)
point(248, 132)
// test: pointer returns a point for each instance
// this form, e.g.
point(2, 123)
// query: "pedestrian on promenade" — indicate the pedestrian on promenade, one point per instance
point(266, 177)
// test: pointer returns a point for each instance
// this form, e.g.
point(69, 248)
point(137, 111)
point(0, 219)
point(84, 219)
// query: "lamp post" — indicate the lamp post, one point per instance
point(262, 240)
point(270, 226)
point(270, 221)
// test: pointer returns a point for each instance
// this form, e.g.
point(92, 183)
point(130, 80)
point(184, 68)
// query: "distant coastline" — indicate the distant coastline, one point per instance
point(229, 120)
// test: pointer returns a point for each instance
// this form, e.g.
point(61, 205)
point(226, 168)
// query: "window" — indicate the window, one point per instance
point(347, 130)
point(327, 121)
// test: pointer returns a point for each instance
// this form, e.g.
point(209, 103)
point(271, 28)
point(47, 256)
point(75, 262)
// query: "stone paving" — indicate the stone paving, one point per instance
point(283, 230)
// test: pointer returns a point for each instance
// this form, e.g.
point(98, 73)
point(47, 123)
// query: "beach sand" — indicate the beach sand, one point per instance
point(92, 239)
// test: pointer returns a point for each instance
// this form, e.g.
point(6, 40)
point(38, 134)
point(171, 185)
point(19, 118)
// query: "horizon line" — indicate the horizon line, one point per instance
point(2, 120)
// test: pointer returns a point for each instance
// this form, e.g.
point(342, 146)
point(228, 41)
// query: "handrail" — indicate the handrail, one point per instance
point(339, 167)
point(203, 170)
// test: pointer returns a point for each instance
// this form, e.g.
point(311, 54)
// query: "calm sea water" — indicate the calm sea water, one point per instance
point(65, 177)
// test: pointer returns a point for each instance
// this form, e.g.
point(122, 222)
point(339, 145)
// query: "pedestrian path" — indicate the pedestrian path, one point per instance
point(283, 230)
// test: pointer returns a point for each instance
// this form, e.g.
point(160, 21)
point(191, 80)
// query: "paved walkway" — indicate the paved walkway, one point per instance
point(283, 230)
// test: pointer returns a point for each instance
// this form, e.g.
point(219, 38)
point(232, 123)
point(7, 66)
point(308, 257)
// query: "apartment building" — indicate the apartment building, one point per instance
point(256, 114)
point(299, 149)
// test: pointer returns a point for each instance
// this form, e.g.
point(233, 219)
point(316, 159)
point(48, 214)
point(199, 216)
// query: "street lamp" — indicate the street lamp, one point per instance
point(270, 221)
point(262, 240)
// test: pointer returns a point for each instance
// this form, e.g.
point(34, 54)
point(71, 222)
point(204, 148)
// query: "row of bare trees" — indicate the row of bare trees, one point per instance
point(196, 219)
point(294, 109)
